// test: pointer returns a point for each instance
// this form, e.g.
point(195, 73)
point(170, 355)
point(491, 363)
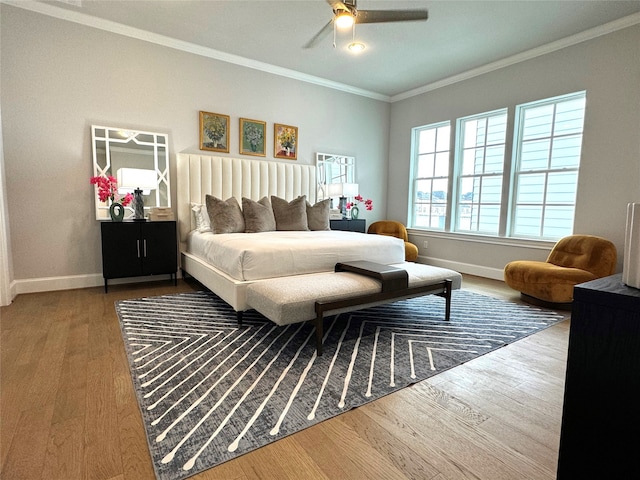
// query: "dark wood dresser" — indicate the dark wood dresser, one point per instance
point(601, 415)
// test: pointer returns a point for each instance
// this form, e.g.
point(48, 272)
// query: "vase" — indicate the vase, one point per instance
point(355, 211)
point(116, 210)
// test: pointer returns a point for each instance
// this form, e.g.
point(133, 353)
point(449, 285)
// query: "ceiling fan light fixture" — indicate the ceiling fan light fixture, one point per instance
point(356, 47)
point(344, 19)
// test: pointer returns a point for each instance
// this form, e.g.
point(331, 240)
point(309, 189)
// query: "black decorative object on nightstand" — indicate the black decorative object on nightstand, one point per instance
point(359, 225)
point(132, 249)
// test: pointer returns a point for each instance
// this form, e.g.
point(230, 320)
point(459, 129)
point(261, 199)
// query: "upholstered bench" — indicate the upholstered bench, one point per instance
point(301, 298)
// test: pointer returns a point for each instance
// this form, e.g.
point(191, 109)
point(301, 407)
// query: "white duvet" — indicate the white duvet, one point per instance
point(255, 256)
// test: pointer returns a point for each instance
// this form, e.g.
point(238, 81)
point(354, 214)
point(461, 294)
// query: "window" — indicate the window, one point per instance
point(547, 157)
point(431, 176)
point(480, 160)
point(475, 189)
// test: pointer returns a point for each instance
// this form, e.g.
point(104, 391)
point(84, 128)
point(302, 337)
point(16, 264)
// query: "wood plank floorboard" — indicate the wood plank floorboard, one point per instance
point(69, 411)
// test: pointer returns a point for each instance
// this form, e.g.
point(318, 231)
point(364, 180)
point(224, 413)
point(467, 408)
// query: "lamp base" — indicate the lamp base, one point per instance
point(138, 205)
point(343, 207)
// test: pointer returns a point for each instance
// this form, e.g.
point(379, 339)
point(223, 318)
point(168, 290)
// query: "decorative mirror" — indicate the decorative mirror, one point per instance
point(119, 152)
point(335, 174)
point(333, 168)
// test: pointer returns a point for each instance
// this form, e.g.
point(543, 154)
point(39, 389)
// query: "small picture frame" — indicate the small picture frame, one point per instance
point(285, 141)
point(214, 132)
point(252, 137)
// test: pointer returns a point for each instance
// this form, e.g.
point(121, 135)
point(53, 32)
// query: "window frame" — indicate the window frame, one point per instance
point(459, 175)
point(511, 170)
point(516, 162)
point(415, 179)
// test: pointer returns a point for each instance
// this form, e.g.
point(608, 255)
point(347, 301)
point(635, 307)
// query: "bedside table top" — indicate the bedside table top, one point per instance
point(349, 225)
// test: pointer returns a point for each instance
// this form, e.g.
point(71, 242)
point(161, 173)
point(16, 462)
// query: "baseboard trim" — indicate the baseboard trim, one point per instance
point(471, 269)
point(47, 284)
point(71, 282)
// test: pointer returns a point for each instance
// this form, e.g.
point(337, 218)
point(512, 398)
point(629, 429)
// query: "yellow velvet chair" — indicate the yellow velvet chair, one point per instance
point(398, 230)
point(574, 259)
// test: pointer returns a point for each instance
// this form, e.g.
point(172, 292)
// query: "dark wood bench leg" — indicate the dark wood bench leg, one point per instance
point(319, 329)
point(239, 317)
point(444, 289)
point(447, 298)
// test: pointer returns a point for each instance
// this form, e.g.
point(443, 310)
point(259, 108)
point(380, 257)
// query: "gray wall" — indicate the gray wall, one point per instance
point(59, 78)
point(608, 68)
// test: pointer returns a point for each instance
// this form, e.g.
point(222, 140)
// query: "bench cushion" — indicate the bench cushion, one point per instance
point(292, 299)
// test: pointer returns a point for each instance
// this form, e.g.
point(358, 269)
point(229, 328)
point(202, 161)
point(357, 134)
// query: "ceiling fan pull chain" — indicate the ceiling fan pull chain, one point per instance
point(334, 34)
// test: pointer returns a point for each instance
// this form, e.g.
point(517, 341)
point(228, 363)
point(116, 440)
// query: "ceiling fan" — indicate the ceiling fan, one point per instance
point(346, 13)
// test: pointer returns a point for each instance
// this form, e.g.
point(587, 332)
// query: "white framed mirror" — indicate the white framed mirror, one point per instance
point(336, 179)
point(333, 168)
point(118, 151)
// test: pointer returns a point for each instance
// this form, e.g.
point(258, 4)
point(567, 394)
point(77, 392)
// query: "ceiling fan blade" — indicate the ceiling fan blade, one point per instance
point(383, 16)
point(337, 5)
point(323, 32)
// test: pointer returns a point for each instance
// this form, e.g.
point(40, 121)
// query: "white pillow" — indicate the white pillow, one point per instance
point(203, 223)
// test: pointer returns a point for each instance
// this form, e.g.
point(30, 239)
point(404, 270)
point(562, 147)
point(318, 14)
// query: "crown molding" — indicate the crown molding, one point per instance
point(120, 29)
point(590, 34)
point(132, 32)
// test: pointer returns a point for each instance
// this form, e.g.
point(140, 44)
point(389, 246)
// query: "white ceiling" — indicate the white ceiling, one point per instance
point(460, 36)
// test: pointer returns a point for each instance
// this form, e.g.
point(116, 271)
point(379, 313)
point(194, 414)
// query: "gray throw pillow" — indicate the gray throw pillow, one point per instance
point(290, 215)
point(318, 215)
point(225, 215)
point(258, 216)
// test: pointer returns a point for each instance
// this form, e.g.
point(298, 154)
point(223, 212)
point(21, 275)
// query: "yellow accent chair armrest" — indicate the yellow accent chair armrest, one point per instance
point(398, 230)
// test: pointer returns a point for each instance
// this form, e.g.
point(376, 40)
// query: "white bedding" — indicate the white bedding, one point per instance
point(256, 256)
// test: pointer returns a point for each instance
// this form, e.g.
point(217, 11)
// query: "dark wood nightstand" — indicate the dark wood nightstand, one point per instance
point(358, 225)
point(133, 249)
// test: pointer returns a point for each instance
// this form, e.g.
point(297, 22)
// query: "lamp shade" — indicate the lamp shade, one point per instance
point(342, 189)
point(130, 179)
point(349, 189)
point(334, 189)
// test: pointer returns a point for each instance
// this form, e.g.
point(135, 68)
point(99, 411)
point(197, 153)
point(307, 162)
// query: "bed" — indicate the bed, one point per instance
point(226, 264)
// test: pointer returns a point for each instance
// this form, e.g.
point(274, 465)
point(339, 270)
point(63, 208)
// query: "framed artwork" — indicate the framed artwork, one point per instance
point(285, 141)
point(252, 133)
point(214, 132)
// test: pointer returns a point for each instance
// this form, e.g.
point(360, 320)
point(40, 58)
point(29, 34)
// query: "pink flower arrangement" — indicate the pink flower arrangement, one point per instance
point(368, 203)
point(108, 189)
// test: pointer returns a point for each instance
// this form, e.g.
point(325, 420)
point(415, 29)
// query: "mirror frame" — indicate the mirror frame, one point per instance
point(148, 143)
point(333, 168)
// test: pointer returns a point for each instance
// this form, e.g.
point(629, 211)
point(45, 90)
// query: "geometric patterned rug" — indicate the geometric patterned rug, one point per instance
point(209, 390)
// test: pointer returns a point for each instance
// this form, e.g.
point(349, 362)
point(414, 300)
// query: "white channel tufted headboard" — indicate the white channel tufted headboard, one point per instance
point(224, 177)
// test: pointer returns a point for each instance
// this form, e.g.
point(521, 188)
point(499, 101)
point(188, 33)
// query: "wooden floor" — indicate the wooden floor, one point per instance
point(68, 409)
